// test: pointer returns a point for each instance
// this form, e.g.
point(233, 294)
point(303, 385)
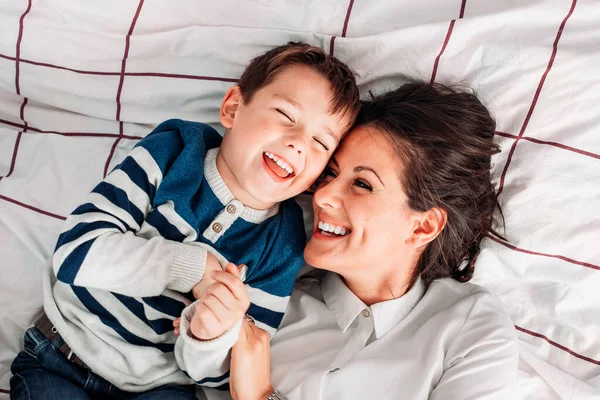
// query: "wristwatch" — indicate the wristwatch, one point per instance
point(276, 395)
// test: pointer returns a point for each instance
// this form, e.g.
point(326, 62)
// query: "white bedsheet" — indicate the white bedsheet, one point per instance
point(80, 82)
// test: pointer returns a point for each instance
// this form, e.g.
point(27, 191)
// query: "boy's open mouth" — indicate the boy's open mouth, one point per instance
point(279, 167)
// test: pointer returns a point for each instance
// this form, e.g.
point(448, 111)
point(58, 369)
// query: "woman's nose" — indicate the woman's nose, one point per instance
point(327, 195)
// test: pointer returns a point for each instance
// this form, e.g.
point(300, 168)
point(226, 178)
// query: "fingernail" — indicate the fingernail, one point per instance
point(243, 272)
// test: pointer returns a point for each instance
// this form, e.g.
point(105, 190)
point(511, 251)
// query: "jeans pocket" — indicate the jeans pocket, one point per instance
point(25, 359)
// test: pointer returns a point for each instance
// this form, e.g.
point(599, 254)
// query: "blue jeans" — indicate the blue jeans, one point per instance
point(41, 371)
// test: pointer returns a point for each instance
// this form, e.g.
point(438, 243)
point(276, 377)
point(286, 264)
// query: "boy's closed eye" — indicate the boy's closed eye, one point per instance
point(286, 115)
point(289, 119)
point(321, 142)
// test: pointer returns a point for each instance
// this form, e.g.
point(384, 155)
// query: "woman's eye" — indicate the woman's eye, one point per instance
point(363, 185)
point(285, 115)
point(326, 176)
point(329, 172)
point(321, 143)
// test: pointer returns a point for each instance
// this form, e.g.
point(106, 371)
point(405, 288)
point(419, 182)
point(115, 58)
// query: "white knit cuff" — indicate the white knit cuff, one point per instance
point(223, 342)
point(187, 268)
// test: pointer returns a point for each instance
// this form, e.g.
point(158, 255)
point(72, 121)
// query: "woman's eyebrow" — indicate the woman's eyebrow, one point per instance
point(364, 168)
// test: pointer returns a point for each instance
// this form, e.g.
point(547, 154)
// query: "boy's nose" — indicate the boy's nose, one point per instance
point(295, 142)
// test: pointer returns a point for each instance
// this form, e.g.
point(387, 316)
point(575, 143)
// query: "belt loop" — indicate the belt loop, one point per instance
point(35, 336)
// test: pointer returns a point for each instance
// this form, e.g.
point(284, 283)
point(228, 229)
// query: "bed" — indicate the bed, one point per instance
point(82, 82)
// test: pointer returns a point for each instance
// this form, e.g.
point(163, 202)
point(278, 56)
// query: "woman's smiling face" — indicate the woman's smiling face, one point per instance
point(362, 220)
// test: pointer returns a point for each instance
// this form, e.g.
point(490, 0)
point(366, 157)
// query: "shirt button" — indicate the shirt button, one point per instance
point(366, 313)
point(217, 227)
point(231, 209)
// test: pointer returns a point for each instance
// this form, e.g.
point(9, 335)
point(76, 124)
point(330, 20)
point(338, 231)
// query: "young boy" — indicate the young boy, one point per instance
point(182, 204)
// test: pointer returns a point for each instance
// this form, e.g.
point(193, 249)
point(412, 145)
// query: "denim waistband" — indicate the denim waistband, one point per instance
point(35, 336)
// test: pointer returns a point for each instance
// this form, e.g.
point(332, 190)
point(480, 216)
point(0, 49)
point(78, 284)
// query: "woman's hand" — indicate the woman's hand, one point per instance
point(250, 373)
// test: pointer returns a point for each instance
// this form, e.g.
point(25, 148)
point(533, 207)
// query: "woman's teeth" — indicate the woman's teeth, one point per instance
point(332, 229)
point(282, 164)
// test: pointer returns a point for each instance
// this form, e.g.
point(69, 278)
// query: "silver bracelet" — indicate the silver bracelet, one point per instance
point(276, 395)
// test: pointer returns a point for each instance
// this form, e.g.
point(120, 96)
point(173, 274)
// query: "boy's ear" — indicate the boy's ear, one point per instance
point(427, 227)
point(231, 102)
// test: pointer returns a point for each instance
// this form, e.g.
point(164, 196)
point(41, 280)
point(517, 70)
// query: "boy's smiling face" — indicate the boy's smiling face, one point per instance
point(278, 144)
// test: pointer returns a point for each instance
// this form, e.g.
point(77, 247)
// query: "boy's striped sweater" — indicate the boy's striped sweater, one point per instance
point(129, 255)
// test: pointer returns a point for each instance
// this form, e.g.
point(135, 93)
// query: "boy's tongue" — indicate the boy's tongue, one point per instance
point(276, 168)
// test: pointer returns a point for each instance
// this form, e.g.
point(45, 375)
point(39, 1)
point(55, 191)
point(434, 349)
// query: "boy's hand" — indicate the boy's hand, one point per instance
point(211, 265)
point(176, 325)
point(221, 305)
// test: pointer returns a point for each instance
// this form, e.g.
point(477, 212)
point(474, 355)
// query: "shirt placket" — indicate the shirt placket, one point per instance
point(359, 337)
point(223, 221)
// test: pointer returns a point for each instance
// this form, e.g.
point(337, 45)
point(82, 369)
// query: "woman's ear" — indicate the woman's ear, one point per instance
point(428, 226)
point(230, 105)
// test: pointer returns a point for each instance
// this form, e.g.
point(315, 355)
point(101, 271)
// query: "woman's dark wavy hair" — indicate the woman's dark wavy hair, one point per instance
point(445, 139)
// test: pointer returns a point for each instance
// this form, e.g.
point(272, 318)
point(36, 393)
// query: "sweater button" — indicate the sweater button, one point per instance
point(231, 209)
point(217, 227)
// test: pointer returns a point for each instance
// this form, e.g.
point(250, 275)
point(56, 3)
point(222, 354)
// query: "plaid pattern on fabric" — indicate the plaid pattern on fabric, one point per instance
point(82, 82)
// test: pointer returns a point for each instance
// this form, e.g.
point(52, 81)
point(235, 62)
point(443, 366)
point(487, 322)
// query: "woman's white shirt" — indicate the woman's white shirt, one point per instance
point(454, 341)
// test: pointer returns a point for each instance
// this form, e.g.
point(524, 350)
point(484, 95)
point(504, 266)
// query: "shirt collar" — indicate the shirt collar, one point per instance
point(388, 314)
point(343, 304)
point(346, 306)
point(218, 186)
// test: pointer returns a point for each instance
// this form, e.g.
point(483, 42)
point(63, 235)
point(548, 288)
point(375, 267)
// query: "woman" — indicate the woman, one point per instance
point(398, 220)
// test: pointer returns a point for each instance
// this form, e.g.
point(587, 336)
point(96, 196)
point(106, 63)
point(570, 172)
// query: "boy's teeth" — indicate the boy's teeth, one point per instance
point(282, 164)
point(330, 228)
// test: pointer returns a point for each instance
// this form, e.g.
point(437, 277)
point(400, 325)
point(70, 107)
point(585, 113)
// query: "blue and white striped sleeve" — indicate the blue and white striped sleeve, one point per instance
point(208, 362)
point(271, 285)
point(100, 246)
point(205, 361)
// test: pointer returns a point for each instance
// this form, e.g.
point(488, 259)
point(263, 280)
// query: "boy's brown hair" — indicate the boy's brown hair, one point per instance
point(263, 69)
